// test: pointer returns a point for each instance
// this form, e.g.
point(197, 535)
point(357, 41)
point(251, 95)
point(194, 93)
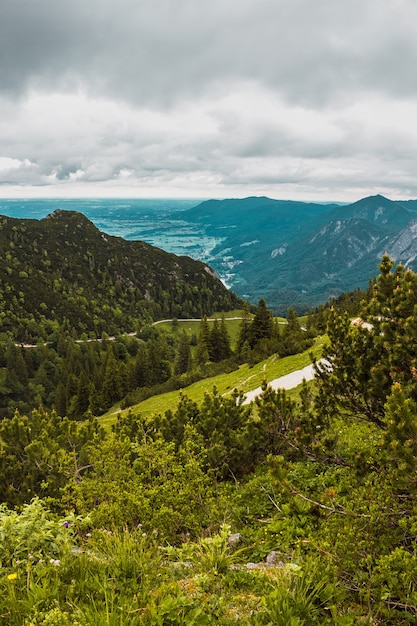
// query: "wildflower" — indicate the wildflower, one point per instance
point(143, 534)
point(66, 524)
point(12, 576)
point(55, 562)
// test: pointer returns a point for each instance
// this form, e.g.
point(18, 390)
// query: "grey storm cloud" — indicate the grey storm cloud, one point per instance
point(160, 50)
point(222, 93)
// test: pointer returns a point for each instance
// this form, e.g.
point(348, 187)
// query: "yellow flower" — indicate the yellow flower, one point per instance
point(12, 576)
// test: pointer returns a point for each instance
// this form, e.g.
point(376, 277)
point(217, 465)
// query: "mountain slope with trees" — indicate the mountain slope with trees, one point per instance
point(62, 271)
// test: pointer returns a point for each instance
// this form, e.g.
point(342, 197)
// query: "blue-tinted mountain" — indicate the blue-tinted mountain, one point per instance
point(300, 254)
point(375, 209)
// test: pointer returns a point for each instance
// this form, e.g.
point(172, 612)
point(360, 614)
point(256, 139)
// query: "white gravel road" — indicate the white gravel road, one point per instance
point(289, 381)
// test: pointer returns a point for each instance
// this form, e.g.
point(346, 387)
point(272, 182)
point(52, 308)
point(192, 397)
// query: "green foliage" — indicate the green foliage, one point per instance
point(400, 435)
point(365, 360)
point(285, 426)
point(105, 580)
point(308, 594)
point(56, 617)
point(213, 343)
point(294, 339)
point(220, 425)
point(350, 377)
point(394, 582)
point(170, 606)
point(144, 483)
point(31, 535)
point(258, 335)
point(183, 361)
point(212, 555)
point(40, 454)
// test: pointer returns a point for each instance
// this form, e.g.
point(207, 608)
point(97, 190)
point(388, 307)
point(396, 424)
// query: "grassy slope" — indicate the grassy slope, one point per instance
point(245, 378)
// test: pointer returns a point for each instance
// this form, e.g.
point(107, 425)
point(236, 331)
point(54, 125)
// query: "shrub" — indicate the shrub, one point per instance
point(32, 534)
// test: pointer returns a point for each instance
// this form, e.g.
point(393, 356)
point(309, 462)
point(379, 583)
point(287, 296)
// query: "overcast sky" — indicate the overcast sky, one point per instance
point(295, 99)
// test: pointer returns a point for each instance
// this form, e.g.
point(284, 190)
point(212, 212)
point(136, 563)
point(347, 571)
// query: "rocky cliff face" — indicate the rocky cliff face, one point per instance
point(403, 247)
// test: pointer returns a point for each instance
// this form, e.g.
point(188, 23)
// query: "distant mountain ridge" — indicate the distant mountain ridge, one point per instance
point(300, 254)
point(290, 253)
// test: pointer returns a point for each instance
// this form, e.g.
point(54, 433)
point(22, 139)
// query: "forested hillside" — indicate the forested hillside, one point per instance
point(84, 376)
point(288, 511)
point(62, 272)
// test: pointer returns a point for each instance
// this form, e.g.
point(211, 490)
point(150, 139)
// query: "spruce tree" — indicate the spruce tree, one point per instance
point(203, 340)
point(183, 359)
point(400, 437)
point(262, 326)
point(293, 337)
point(16, 370)
point(82, 401)
point(159, 358)
point(139, 368)
point(111, 389)
point(224, 339)
point(215, 347)
point(60, 399)
point(244, 327)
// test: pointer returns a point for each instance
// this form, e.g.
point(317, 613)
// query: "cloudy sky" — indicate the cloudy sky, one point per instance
point(296, 99)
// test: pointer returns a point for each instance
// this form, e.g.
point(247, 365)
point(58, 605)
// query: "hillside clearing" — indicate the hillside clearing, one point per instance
point(245, 379)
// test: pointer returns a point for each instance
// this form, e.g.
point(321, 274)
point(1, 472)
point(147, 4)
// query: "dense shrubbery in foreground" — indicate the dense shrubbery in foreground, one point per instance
point(55, 573)
point(139, 526)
